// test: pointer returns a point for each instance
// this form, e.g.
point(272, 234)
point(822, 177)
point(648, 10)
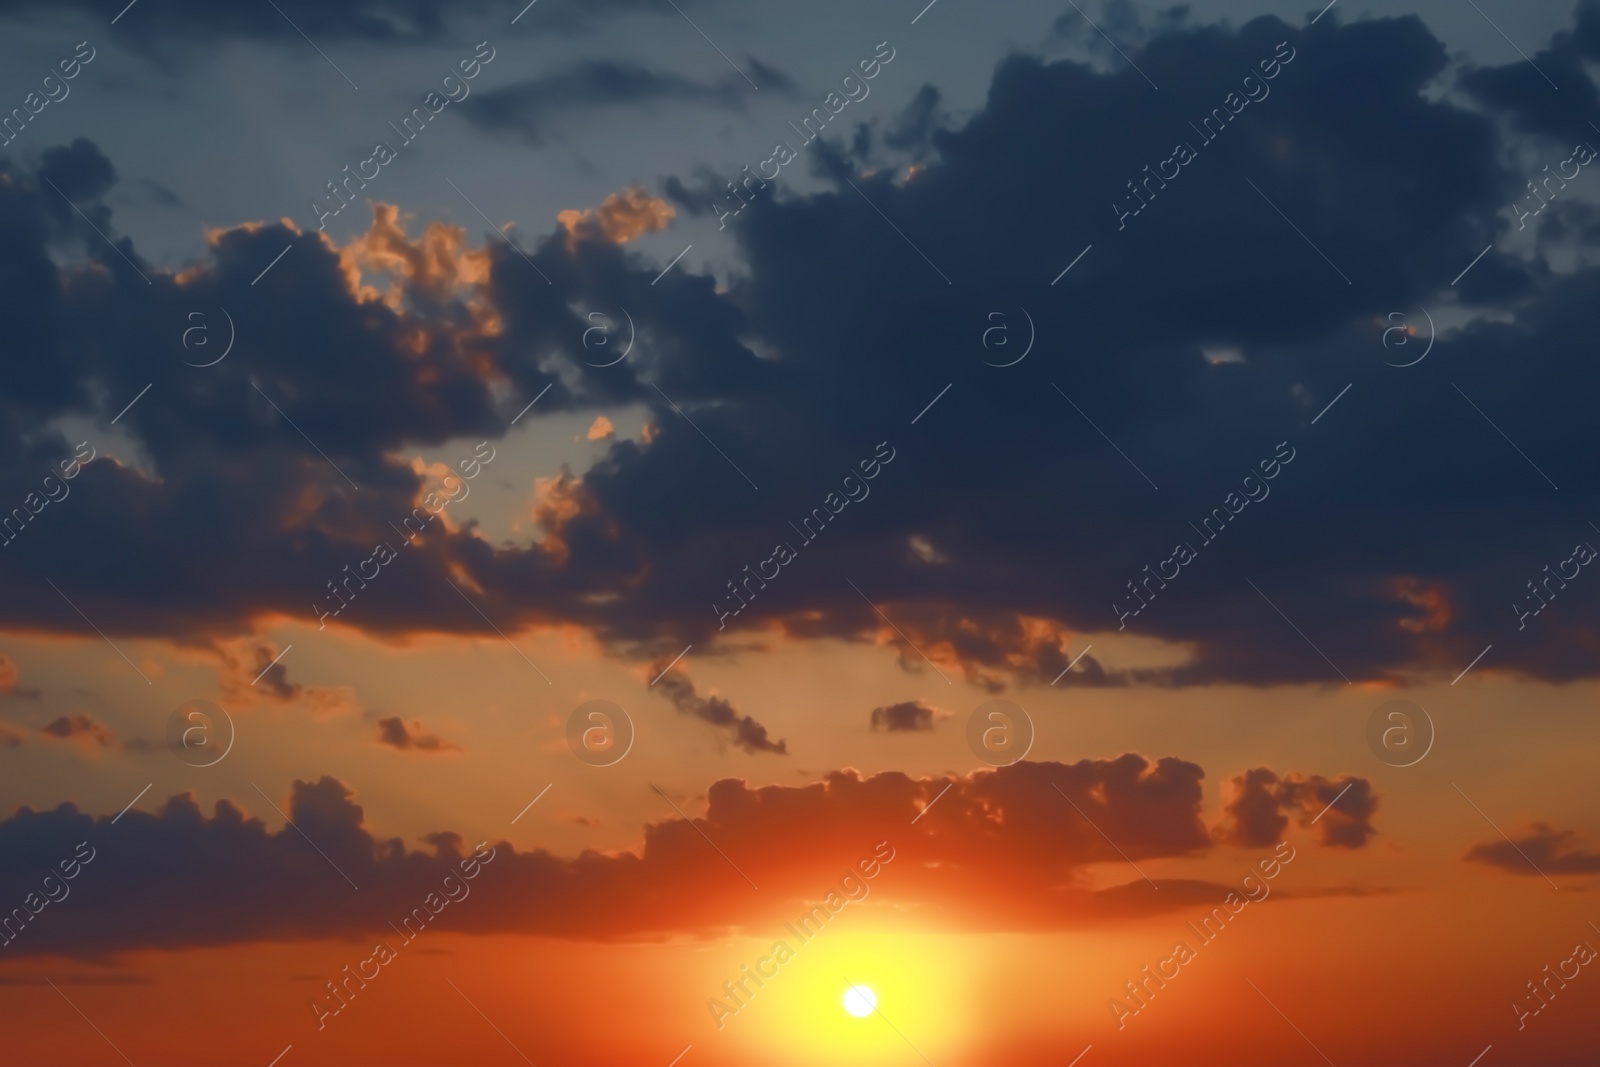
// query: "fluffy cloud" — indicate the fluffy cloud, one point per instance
point(1258, 810)
point(621, 217)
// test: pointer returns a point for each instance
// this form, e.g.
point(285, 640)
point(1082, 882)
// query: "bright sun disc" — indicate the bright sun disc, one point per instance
point(860, 1001)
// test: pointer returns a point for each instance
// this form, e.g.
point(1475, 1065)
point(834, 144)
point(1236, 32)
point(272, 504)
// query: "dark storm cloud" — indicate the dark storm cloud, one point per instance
point(1551, 92)
point(1220, 264)
point(1001, 850)
point(1006, 526)
point(79, 171)
point(527, 107)
point(1586, 30)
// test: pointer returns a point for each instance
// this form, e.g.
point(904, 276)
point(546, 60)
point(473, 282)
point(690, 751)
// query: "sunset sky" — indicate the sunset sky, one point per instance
point(690, 534)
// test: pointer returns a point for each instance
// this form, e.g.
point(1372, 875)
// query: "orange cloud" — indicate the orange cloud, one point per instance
point(437, 264)
point(620, 218)
point(1431, 601)
point(558, 502)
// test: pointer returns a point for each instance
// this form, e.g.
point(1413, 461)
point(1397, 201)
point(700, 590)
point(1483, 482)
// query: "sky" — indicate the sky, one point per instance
point(693, 533)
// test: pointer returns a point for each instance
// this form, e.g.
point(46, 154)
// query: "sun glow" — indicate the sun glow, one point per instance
point(860, 1001)
point(824, 1005)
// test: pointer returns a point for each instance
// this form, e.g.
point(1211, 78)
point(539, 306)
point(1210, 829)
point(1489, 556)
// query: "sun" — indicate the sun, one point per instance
point(860, 1001)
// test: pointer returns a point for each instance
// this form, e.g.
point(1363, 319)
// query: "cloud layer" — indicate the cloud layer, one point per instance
point(1007, 524)
point(1001, 850)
